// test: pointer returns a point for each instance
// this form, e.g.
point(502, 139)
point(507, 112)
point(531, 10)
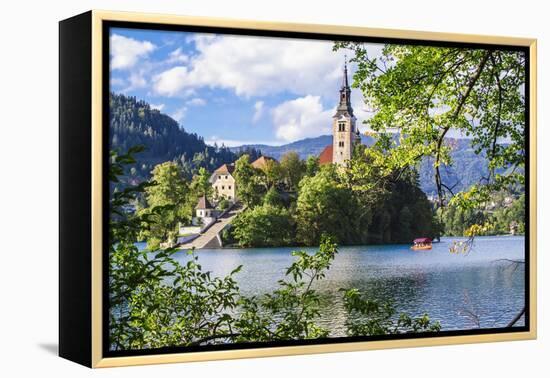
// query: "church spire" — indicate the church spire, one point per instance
point(344, 131)
point(345, 77)
point(344, 106)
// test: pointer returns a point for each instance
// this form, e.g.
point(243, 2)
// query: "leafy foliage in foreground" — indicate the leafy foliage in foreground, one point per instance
point(370, 317)
point(155, 301)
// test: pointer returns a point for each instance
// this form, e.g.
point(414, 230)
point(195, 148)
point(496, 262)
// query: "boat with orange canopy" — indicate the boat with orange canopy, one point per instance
point(421, 244)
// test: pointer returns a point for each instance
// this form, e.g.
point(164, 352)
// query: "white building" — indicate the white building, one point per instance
point(205, 213)
point(224, 183)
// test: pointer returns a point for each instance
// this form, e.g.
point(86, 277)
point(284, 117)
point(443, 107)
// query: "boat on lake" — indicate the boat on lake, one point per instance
point(420, 244)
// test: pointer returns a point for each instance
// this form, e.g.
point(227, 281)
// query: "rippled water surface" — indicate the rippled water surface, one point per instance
point(448, 287)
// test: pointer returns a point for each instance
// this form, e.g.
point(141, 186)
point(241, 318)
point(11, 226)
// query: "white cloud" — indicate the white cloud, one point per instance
point(117, 82)
point(256, 66)
point(301, 118)
point(158, 107)
point(196, 102)
point(136, 80)
point(177, 56)
point(126, 51)
point(179, 114)
point(170, 82)
point(258, 111)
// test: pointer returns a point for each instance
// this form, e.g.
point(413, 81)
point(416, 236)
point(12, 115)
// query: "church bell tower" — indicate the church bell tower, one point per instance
point(344, 131)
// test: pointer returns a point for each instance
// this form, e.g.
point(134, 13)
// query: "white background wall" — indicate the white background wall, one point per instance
point(28, 201)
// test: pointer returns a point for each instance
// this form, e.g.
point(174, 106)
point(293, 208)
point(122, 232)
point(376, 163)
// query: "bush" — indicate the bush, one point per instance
point(273, 198)
point(224, 204)
point(264, 226)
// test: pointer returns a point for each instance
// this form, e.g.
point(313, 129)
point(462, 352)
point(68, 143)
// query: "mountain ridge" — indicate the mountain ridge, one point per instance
point(468, 167)
point(134, 122)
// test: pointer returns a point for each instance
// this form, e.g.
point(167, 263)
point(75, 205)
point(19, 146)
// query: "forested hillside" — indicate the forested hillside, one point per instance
point(134, 122)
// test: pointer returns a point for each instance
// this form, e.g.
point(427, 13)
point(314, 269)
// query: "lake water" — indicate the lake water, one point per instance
point(446, 286)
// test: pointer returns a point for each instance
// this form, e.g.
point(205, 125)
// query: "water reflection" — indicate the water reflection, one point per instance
point(461, 291)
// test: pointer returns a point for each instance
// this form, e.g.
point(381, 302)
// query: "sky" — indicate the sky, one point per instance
point(233, 89)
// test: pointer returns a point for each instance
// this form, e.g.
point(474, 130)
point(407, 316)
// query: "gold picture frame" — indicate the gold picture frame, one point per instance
point(90, 328)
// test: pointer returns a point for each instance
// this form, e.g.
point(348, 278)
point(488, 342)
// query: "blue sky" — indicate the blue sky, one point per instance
point(233, 89)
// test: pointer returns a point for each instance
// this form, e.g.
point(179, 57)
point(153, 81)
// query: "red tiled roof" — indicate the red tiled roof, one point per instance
point(203, 204)
point(226, 168)
point(326, 156)
point(261, 161)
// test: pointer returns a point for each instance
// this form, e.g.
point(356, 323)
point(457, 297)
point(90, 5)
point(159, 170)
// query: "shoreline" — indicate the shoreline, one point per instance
point(299, 247)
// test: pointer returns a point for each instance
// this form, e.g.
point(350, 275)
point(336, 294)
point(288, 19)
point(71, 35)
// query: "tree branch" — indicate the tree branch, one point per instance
point(497, 126)
point(213, 337)
point(456, 114)
point(516, 318)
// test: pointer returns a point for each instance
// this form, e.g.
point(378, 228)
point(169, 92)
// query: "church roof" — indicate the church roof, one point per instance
point(204, 203)
point(344, 106)
point(326, 155)
point(260, 162)
point(345, 83)
point(226, 168)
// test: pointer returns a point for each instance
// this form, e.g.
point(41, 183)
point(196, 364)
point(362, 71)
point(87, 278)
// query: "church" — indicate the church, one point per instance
point(344, 131)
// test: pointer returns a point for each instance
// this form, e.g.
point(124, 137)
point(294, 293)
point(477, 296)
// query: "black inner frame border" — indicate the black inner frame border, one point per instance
point(106, 27)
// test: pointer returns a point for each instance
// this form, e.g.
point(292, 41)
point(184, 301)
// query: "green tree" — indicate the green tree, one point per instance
point(167, 202)
point(405, 222)
point(509, 218)
point(457, 220)
point(263, 226)
point(312, 166)
point(401, 210)
point(248, 188)
point(200, 184)
point(273, 198)
point(324, 205)
point(272, 173)
point(364, 202)
point(224, 204)
point(293, 169)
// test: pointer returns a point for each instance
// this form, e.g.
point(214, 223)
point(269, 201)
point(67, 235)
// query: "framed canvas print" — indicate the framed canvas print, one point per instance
point(236, 189)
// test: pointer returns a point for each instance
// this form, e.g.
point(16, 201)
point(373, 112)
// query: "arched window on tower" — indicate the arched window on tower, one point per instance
point(341, 126)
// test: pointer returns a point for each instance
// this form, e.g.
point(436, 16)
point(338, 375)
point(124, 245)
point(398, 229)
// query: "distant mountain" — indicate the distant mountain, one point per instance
point(134, 122)
point(304, 148)
point(468, 168)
